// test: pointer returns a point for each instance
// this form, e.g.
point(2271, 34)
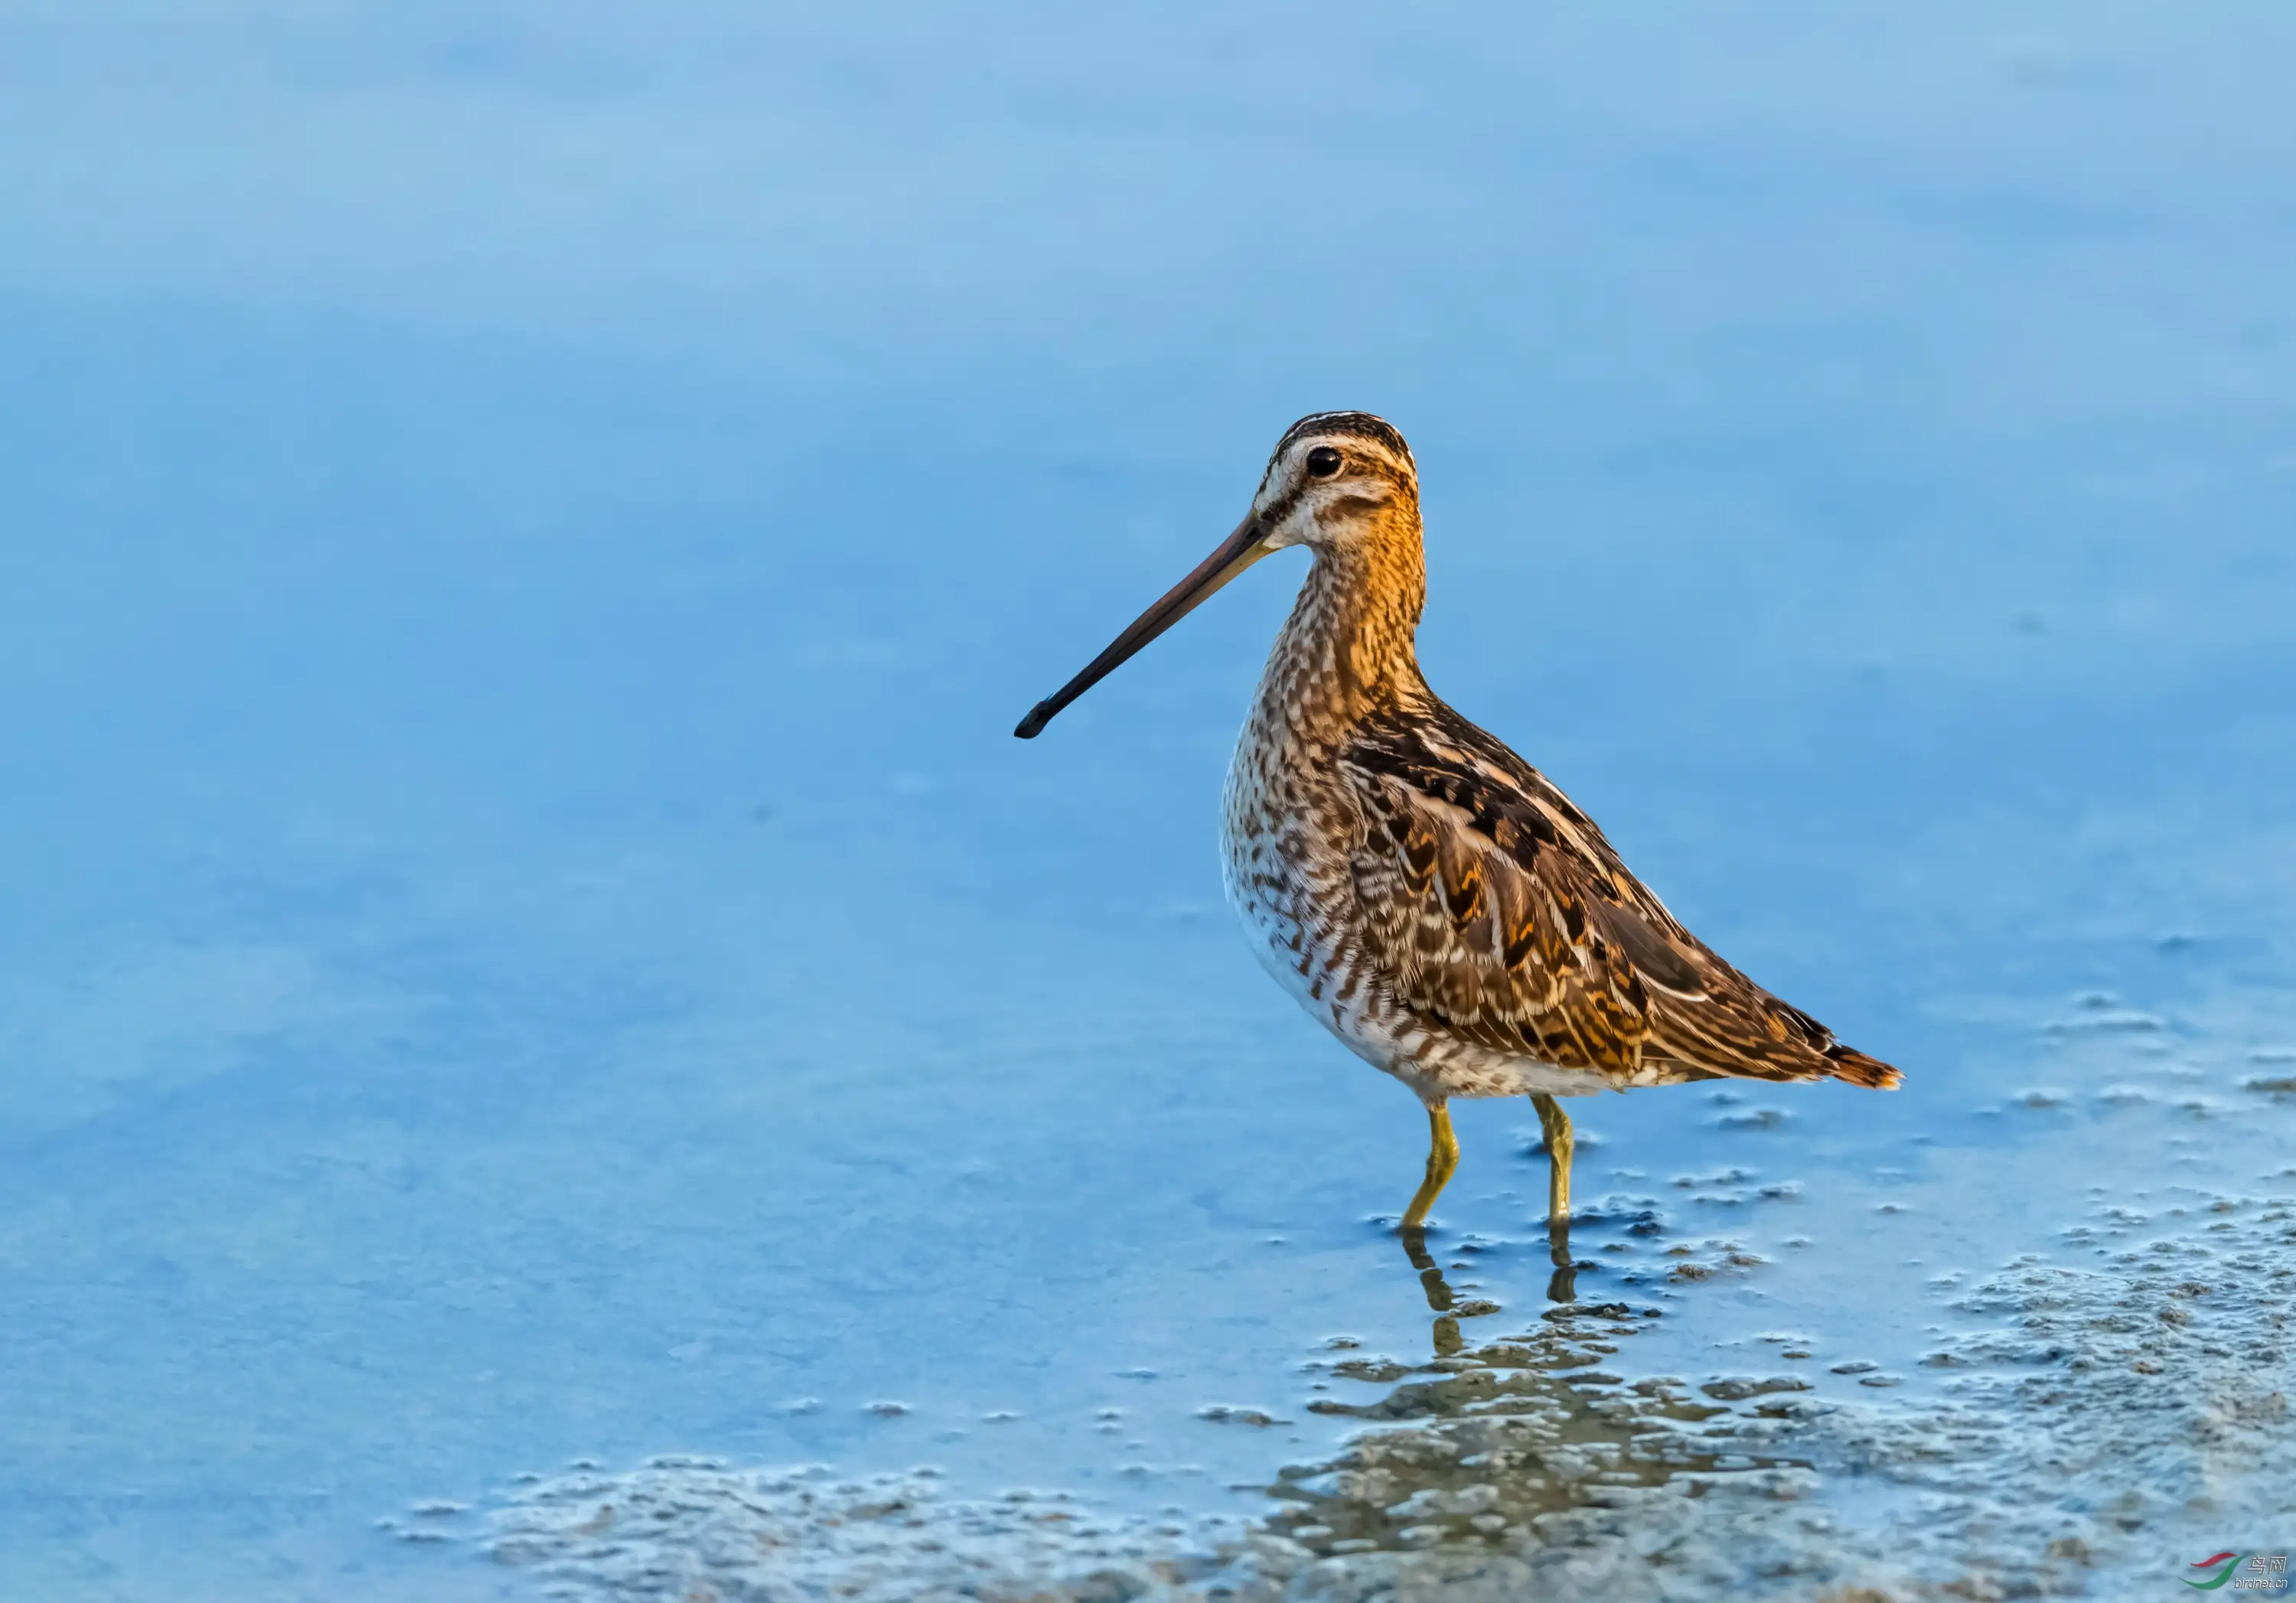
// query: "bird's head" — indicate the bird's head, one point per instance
point(1340, 483)
point(1336, 483)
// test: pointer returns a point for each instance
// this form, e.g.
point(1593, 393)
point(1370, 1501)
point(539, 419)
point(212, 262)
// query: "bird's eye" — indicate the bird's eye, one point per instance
point(1322, 462)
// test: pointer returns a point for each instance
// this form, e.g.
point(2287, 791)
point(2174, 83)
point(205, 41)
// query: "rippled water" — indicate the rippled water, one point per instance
point(551, 1041)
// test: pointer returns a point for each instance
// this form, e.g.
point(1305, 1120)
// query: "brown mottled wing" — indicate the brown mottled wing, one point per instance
point(1496, 908)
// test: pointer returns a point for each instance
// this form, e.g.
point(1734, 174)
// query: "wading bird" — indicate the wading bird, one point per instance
point(1426, 893)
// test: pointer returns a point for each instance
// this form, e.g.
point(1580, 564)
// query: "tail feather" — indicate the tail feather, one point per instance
point(1848, 1063)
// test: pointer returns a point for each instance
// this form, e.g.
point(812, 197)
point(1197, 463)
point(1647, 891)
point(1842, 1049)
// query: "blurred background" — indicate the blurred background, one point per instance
point(525, 528)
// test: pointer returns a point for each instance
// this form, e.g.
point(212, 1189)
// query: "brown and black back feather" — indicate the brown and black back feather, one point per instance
point(1497, 911)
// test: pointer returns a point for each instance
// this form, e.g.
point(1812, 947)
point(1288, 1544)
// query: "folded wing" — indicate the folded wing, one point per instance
point(1498, 910)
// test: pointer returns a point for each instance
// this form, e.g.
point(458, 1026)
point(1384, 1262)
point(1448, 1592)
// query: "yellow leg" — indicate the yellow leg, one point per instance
point(1442, 1158)
point(1556, 1124)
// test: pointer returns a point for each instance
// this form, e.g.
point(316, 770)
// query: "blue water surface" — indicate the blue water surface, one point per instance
point(524, 530)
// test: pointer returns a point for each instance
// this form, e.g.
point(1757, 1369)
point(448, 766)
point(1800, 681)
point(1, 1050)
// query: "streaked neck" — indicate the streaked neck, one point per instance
point(1348, 646)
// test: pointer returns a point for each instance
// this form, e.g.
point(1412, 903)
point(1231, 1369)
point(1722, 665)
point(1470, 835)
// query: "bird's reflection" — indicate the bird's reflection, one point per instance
point(1448, 1340)
point(1507, 1445)
point(1561, 1286)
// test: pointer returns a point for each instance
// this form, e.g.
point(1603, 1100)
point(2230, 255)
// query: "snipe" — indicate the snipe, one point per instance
point(1425, 893)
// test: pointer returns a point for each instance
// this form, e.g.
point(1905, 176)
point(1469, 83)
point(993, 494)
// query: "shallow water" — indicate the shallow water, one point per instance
point(530, 951)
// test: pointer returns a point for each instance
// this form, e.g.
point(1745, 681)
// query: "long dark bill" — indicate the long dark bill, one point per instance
point(1237, 553)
